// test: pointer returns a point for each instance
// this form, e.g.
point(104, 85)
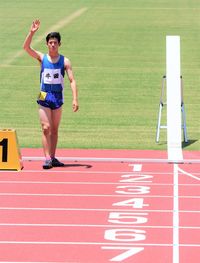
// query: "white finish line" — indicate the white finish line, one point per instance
point(176, 216)
point(107, 160)
point(173, 74)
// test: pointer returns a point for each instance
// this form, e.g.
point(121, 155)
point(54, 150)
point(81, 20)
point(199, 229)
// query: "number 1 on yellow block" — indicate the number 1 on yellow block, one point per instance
point(10, 156)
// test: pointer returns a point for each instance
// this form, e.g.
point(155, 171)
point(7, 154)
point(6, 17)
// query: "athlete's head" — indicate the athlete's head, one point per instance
point(54, 35)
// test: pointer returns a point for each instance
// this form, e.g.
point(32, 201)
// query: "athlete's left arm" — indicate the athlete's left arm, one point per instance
point(73, 86)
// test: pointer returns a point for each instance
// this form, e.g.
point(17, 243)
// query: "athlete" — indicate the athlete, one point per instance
point(50, 99)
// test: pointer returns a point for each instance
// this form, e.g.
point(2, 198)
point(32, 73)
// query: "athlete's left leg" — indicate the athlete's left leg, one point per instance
point(55, 121)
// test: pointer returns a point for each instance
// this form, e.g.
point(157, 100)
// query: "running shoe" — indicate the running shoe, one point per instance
point(48, 164)
point(56, 163)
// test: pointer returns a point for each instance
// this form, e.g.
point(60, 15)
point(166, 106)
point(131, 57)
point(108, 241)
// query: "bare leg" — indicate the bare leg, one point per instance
point(45, 120)
point(55, 121)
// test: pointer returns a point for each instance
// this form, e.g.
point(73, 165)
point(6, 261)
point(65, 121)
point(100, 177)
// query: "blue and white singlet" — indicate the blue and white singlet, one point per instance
point(51, 83)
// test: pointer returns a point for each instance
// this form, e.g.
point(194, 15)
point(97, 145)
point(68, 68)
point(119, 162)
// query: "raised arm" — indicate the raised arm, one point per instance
point(73, 86)
point(27, 43)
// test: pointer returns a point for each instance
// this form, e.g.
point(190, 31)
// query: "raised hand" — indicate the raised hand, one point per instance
point(35, 25)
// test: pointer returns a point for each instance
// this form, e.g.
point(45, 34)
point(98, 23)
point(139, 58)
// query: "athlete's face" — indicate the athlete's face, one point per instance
point(53, 44)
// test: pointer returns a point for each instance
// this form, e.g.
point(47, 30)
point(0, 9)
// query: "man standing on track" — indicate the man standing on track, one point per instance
point(50, 100)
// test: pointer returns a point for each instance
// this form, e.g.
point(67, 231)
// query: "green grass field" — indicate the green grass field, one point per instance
point(117, 49)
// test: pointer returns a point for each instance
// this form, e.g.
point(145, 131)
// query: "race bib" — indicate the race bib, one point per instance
point(52, 76)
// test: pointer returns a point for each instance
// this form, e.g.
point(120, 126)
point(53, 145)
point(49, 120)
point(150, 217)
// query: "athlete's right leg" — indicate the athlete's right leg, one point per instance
point(45, 121)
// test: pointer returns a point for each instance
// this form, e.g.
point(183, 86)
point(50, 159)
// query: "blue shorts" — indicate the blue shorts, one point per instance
point(52, 100)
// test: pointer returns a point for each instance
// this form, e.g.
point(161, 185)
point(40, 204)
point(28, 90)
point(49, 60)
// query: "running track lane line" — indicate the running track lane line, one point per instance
point(111, 160)
point(175, 216)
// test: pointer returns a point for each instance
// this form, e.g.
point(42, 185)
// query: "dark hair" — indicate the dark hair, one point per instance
point(53, 35)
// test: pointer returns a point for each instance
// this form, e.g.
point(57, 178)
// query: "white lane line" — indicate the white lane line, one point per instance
point(100, 159)
point(93, 243)
point(24, 171)
point(110, 160)
point(90, 183)
point(96, 195)
point(92, 209)
point(68, 172)
point(189, 174)
point(176, 216)
point(91, 225)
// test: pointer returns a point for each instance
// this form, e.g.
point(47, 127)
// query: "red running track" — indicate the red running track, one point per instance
point(99, 212)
